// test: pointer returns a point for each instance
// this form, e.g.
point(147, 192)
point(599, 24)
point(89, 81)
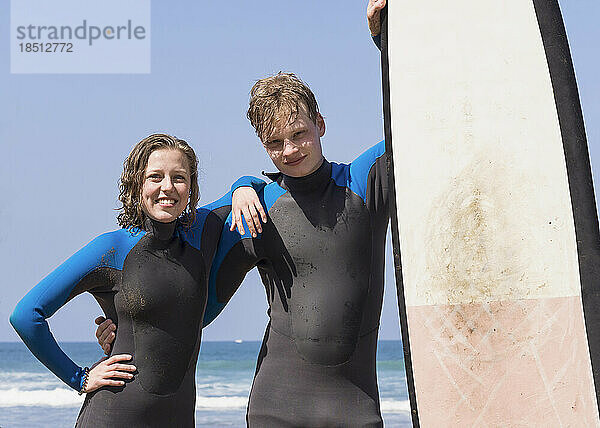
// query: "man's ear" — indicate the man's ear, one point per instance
point(320, 124)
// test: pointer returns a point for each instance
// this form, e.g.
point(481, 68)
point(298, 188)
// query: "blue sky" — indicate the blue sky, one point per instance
point(64, 137)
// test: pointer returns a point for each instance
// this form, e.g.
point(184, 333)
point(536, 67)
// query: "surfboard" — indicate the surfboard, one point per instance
point(494, 224)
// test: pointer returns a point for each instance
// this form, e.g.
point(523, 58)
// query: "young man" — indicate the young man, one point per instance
point(321, 259)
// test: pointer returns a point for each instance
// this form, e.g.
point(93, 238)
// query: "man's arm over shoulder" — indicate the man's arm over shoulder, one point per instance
point(247, 205)
point(234, 258)
point(205, 233)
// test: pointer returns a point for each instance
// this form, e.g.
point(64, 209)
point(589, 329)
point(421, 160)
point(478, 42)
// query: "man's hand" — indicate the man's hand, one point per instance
point(373, 16)
point(105, 333)
point(245, 202)
point(109, 372)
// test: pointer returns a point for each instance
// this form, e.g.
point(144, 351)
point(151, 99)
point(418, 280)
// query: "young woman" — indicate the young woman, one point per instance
point(151, 276)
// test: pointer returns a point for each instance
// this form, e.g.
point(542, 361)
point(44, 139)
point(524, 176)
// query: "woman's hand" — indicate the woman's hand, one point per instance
point(373, 16)
point(109, 371)
point(245, 202)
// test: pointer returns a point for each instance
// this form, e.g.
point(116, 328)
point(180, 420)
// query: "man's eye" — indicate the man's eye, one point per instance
point(274, 143)
point(298, 134)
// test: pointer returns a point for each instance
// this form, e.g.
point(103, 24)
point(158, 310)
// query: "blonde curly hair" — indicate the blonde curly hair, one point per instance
point(132, 179)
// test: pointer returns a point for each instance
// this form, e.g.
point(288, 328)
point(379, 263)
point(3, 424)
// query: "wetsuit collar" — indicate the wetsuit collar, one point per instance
point(161, 231)
point(310, 182)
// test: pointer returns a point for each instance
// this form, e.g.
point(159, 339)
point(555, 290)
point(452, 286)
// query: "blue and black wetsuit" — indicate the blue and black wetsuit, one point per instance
point(321, 259)
point(153, 284)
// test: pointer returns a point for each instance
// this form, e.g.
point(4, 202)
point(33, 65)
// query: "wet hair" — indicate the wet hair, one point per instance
point(132, 179)
point(278, 99)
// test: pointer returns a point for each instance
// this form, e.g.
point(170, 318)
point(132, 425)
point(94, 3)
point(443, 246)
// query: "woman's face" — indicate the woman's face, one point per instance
point(166, 188)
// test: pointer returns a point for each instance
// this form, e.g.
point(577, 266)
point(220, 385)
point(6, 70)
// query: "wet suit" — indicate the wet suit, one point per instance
point(321, 259)
point(153, 284)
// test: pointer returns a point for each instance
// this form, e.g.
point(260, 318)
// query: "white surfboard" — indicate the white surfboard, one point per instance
point(494, 225)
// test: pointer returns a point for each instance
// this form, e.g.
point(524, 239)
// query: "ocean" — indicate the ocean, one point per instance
point(30, 395)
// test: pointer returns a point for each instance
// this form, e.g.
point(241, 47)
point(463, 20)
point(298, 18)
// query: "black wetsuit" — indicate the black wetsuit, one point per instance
point(321, 260)
point(153, 283)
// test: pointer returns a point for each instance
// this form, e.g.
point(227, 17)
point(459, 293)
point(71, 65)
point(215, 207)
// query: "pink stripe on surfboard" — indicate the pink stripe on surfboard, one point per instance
point(517, 363)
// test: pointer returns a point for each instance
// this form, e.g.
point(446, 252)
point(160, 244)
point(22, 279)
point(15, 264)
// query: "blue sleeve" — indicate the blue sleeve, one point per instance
point(204, 233)
point(248, 181)
point(235, 257)
point(30, 314)
point(211, 234)
point(367, 176)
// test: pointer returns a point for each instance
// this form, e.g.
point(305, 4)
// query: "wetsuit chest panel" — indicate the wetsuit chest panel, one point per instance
point(325, 242)
point(164, 292)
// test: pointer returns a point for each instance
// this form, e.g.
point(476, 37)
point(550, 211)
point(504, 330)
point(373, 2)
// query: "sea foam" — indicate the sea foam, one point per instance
point(221, 403)
point(63, 397)
point(58, 397)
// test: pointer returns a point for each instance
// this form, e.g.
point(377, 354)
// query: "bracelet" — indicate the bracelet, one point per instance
point(86, 375)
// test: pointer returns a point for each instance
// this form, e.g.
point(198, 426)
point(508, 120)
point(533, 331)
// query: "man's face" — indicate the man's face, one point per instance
point(295, 148)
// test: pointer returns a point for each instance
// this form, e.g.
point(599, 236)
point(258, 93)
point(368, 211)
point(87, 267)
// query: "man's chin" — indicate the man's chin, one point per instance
point(296, 173)
point(301, 170)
